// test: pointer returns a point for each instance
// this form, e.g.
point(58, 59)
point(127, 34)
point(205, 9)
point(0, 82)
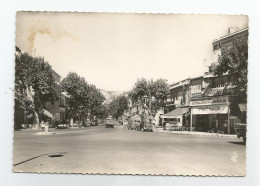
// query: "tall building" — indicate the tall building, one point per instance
point(207, 101)
point(215, 106)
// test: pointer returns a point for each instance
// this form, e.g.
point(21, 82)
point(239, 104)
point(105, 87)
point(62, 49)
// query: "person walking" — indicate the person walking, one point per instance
point(125, 124)
point(42, 125)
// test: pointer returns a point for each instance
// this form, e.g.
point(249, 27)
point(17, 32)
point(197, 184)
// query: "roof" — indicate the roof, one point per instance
point(231, 34)
point(176, 112)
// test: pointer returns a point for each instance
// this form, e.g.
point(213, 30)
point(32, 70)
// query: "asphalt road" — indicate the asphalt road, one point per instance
point(101, 150)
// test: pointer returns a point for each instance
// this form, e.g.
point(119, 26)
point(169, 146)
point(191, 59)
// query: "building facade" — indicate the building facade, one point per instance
point(216, 105)
point(178, 105)
point(57, 107)
point(211, 99)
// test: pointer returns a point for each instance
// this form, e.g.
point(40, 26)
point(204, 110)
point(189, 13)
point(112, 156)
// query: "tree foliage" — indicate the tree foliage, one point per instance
point(155, 92)
point(234, 61)
point(83, 98)
point(34, 83)
point(118, 105)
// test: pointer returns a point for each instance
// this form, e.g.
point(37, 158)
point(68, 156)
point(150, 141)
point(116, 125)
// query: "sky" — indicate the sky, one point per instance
point(112, 50)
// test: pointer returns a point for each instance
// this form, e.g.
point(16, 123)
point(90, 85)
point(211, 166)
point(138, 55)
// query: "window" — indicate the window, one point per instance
point(179, 120)
point(172, 120)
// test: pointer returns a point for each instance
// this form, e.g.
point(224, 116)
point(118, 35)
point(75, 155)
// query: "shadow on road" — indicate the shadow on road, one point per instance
point(52, 155)
point(237, 142)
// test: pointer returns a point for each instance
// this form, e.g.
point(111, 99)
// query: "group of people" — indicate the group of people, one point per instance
point(126, 122)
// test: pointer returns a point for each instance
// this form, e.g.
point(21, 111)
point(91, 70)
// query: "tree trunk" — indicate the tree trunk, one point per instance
point(71, 122)
point(71, 118)
point(36, 120)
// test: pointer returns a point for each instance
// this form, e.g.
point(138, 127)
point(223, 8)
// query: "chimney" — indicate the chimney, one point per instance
point(232, 30)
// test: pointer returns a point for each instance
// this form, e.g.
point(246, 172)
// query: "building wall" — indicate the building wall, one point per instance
point(226, 41)
point(196, 85)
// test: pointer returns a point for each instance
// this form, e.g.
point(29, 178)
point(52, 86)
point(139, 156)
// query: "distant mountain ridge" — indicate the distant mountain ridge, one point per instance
point(109, 95)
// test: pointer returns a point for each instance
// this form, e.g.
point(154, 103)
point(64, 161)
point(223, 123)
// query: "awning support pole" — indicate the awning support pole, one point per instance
point(228, 120)
point(191, 120)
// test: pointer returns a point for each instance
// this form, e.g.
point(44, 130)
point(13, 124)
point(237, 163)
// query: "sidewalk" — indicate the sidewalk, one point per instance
point(195, 133)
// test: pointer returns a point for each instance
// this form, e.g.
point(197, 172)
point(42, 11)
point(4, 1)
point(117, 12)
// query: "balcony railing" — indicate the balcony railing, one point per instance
point(218, 91)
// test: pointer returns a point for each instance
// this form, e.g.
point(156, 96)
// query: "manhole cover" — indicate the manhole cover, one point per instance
point(56, 155)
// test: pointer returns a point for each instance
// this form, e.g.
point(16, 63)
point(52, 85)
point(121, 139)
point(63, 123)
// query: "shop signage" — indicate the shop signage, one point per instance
point(213, 109)
point(217, 100)
point(201, 102)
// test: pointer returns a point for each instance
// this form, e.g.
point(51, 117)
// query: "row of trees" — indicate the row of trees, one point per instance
point(146, 93)
point(35, 85)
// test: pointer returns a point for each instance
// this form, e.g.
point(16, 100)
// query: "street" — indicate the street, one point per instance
point(101, 150)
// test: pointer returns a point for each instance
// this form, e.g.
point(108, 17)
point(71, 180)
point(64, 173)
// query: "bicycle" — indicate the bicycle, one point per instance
point(213, 130)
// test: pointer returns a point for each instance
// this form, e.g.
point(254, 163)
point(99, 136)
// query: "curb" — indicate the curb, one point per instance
point(197, 134)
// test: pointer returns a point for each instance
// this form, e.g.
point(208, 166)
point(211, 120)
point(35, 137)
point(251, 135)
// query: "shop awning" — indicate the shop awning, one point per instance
point(47, 113)
point(175, 113)
point(243, 107)
point(213, 109)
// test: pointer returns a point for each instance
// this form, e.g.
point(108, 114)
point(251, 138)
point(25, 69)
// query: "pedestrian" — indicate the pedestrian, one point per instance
point(42, 125)
point(125, 124)
point(46, 125)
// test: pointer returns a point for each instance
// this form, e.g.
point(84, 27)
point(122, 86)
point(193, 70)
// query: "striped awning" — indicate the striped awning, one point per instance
point(47, 113)
point(178, 112)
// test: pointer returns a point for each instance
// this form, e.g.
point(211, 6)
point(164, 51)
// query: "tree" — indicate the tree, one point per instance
point(117, 106)
point(96, 99)
point(234, 61)
point(159, 90)
point(100, 111)
point(34, 84)
point(76, 88)
point(153, 93)
point(83, 99)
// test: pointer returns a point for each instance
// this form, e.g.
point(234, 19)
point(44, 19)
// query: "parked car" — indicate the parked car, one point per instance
point(240, 129)
point(62, 126)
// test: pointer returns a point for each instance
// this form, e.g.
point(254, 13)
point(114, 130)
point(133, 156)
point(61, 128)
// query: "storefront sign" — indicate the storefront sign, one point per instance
point(214, 109)
point(220, 100)
point(216, 100)
point(201, 102)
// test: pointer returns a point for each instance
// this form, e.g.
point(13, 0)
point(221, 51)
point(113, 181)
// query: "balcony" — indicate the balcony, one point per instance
point(218, 91)
point(196, 94)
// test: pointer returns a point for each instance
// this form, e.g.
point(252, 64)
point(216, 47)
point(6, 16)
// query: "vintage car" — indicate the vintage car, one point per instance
point(109, 122)
point(240, 129)
point(62, 126)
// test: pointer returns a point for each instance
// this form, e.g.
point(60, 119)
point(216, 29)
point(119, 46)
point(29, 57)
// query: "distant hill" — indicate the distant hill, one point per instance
point(109, 95)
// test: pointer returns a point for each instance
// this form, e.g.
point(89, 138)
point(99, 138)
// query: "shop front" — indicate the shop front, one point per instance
point(178, 118)
point(210, 113)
